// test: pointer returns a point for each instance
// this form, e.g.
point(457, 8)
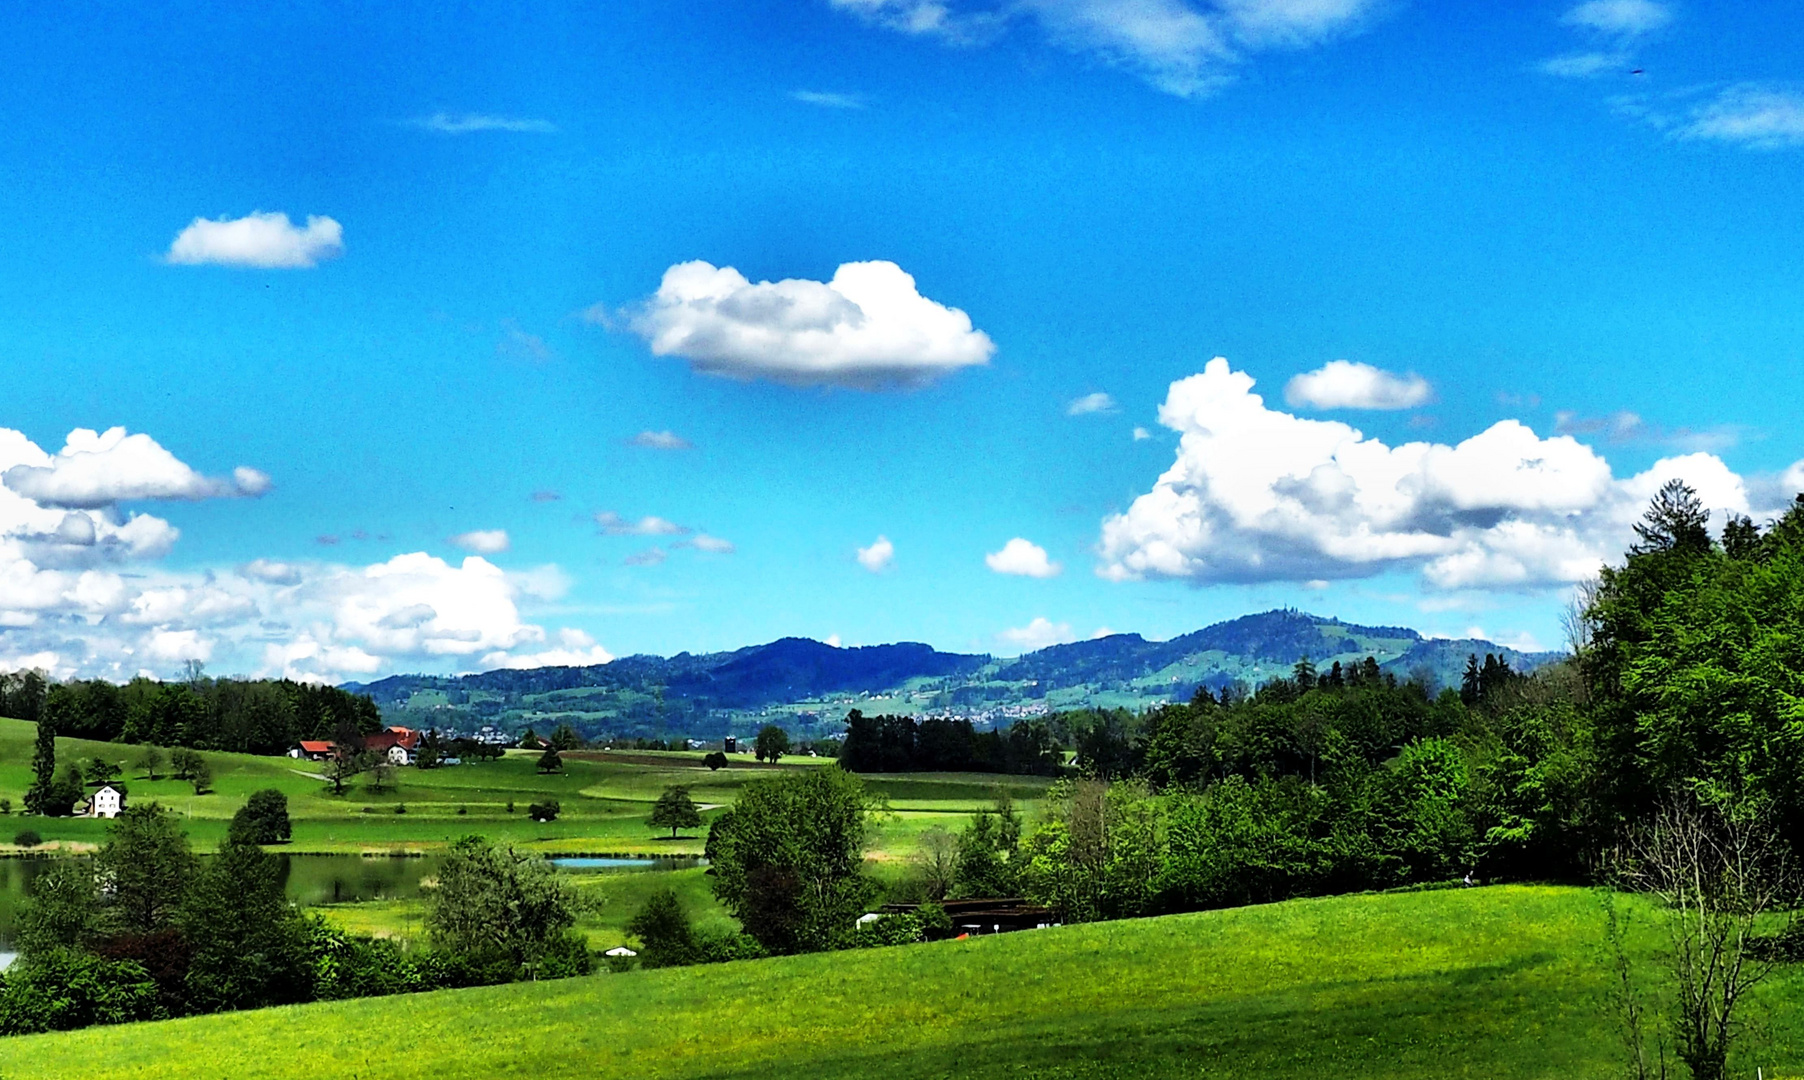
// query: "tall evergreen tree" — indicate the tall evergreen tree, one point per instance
point(43, 769)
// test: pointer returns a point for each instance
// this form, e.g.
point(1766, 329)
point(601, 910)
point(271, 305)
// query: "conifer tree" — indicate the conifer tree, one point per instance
point(43, 768)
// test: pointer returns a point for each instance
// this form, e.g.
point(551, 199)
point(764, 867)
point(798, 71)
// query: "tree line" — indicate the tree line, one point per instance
point(940, 744)
point(247, 716)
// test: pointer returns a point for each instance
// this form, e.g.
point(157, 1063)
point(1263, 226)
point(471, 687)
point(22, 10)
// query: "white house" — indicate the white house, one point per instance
point(106, 802)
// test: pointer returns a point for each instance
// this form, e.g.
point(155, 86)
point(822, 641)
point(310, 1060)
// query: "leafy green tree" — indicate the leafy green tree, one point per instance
point(675, 810)
point(772, 743)
point(64, 792)
point(43, 770)
point(250, 945)
point(150, 761)
point(982, 862)
point(715, 761)
point(342, 764)
point(183, 762)
point(200, 776)
point(666, 938)
point(263, 819)
point(788, 859)
point(530, 741)
point(499, 909)
point(544, 811)
point(566, 738)
point(549, 761)
point(100, 772)
point(60, 911)
point(149, 868)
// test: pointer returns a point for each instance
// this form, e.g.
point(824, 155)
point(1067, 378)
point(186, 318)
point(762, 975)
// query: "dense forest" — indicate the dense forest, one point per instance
point(261, 716)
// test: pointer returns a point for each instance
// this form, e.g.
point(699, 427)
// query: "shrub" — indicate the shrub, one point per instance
point(463, 809)
point(68, 989)
point(935, 923)
point(27, 838)
point(400, 808)
point(888, 930)
point(544, 811)
point(715, 760)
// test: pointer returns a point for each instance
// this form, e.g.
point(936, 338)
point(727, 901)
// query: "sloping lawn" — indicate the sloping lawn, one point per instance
point(1495, 983)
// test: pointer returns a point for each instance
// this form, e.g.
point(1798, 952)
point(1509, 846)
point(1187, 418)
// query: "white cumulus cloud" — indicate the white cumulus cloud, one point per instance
point(574, 649)
point(483, 541)
point(1037, 634)
point(82, 591)
point(1258, 494)
point(878, 557)
point(1023, 558)
point(1340, 384)
point(867, 328)
point(258, 240)
point(97, 469)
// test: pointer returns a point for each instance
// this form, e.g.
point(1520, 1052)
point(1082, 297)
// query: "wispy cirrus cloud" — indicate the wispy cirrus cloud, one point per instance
point(827, 99)
point(613, 524)
point(660, 440)
point(1183, 47)
point(1756, 115)
point(1623, 18)
point(447, 123)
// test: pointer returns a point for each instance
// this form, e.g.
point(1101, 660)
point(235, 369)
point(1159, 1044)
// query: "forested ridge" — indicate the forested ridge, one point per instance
point(248, 716)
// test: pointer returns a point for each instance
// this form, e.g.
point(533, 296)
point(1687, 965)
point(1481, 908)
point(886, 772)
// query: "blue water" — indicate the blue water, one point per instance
point(592, 863)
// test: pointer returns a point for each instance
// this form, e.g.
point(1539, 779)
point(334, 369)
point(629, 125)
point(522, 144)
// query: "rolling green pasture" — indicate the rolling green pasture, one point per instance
point(1498, 983)
point(605, 799)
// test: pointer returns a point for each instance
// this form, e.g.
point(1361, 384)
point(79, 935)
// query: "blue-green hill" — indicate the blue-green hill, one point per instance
point(807, 685)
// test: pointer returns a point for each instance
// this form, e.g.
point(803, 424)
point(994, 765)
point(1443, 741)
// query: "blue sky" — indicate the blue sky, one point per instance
point(1582, 218)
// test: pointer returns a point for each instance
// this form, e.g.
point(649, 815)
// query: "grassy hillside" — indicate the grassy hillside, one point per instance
point(1496, 983)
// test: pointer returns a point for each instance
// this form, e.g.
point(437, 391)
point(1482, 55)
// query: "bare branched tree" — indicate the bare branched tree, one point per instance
point(1575, 622)
point(1715, 877)
point(936, 862)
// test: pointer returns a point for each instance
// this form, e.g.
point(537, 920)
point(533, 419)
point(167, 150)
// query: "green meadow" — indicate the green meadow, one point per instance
point(604, 799)
point(1501, 982)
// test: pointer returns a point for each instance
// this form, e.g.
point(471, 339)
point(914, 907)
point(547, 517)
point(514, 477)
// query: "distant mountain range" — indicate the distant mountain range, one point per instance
point(807, 685)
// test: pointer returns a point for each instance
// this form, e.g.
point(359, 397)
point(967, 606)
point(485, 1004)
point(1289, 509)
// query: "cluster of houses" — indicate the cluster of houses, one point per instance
point(400, 745)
